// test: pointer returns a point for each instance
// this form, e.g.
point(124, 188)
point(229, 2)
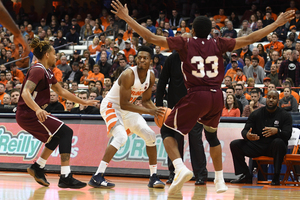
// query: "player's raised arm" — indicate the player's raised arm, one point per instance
point(8, 22)
point(257, 35)
point(122, 12)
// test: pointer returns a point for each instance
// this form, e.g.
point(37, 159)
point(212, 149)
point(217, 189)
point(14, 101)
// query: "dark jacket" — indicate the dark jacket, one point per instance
point(104, 69)
point(72, 37)
point(77, 76)
point(55, 106)
point(88, 110)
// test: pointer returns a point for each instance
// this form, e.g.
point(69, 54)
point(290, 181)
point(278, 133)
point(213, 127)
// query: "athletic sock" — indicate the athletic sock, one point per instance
point(178, 164)
point(153, 169)
point(41, 162)
point(65, 170)
point(219, 175)
point(102, 167)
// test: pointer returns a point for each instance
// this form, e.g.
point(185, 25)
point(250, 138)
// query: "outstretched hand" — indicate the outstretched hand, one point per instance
point(283, 18)
point(120, 10)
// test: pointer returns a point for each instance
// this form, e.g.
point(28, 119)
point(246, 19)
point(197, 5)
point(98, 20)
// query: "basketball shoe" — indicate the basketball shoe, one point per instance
point(38, 174)
point(70, 182)
point(155, 182)
point(181, 176)
point(98, 181)
point(220, 186)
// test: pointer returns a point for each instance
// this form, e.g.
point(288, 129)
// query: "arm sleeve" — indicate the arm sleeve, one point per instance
point(285, 131)
point(162, 82)
point(225, 44)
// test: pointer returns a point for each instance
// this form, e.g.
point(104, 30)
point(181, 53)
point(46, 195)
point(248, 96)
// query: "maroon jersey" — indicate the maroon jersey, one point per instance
point(43, 78)
point(202, 59)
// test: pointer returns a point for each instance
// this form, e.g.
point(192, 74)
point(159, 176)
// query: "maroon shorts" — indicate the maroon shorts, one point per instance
point(204, 106)
point(40, 130)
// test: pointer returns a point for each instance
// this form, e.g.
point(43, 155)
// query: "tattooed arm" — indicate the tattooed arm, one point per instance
point(26, 95)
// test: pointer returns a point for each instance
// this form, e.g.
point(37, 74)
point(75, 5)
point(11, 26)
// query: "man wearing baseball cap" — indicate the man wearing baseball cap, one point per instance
point(234, 57)
point(296, 21)
point(162, 17)
point(72, 36)
point(128, 50)
point(273, 15)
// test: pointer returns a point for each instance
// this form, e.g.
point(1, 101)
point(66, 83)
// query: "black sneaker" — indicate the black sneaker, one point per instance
point(155, 182)
point(38, 174)
point(98, 181)
point(70, 182)
point(170, 179)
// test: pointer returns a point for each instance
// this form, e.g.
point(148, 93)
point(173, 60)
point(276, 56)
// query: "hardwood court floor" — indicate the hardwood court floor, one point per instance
point(19, 186)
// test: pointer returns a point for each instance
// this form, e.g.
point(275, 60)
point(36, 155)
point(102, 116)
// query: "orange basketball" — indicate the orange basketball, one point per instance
point(160, 120)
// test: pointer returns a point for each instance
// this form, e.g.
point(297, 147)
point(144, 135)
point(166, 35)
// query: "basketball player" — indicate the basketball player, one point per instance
point(203, 70)
point(8, 22)
point(31, 116)
point(122, 117)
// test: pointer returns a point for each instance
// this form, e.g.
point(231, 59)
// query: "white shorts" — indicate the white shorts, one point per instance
point(131, 121)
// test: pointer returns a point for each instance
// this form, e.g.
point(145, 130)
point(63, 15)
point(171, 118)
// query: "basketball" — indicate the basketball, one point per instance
point(160, 120)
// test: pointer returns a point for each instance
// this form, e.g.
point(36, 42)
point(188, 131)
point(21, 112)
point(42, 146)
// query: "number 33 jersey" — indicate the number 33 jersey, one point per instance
point(137, 89)
point(202, 60)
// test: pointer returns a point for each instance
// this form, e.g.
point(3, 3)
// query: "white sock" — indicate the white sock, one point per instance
point(219, 175)
point(41, 162)
point(153, 169)
point(65, 170)
point(102, 167)
point(178, 164)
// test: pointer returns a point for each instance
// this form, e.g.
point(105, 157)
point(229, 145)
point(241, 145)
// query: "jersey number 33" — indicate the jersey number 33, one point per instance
point(213, 60)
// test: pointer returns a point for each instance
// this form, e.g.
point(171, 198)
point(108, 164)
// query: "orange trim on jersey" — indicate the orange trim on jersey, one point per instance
point(109, 111)
point(110, 126)
point(110, 117)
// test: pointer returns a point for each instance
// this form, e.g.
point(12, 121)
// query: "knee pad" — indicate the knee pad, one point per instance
point(167, 132)
point(212, 138)
point(149, 136)
point(65, 143)
point(120, 137)
point(53, 142)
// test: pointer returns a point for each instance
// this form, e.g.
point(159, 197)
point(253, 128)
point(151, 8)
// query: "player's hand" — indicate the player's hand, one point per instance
point(159, 111)
point(90, 102)
point(283, 18)
point(120, 10)
point(41, 114)
point(19, 39)
point(251, 136)
point(269, 131)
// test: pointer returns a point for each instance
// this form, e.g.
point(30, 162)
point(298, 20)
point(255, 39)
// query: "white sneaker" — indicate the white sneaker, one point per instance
point(183, 175)
point(220, 186)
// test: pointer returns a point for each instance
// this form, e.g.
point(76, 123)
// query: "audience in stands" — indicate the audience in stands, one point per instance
point(231, 107)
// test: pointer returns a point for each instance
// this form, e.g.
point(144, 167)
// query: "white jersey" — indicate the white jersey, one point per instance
point(137, 89)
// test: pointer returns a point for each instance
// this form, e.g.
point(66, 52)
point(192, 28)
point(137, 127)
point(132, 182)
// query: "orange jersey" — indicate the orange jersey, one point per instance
point(231, 72)
point(127, 35)
point(82, 80)
point(18, 74)
point(58, 74)
point(4, 82)
point(104, 21)
point(127, 53)
point(281, 95)
point(186, 29)
point(241, 78)
point(97, 77)
point(93, 49)
point(222, 20)
point(273, 16)
point(277, 46)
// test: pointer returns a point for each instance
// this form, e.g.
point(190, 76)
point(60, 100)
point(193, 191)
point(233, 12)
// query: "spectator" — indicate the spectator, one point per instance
point(96, 75)
point(266, 133)
point(168, 28)
point(3, 78)
point(57, 73)
point(232, 71)
point(76, 25)
point(120, 42)
point(274, 75)
point(175, 20)
point(245, 52)
point(94, 48)
point(234, 19)
point(288, 45)
point(253, 105)
point(42, 25)
point(84, 109)
point(74, 75)
point(9, 86)
point(82, 29)
point(274, 44)
point(227, 81)
point(75, 58)
point(2, 92)
point(262, 53)
point(29, 31)
point(295, 21)
point(290, 68)
point(16, 73)
point(162, 17)
point(273, 15)
point(72, 36)
point(234, 57)
point(128, 50)
point(274, 57)
point(59, 41)
point(288, 102)
point(248, 13)
point(87, 32)
point(255, 53)
point(247, 65)
point(64, 67)
point(230, 32)
point(69, 105)
point(281, 31)
point(104, 66)
point(120, 23)
point(231, 107)
point(15, 95)
point(252, 22)
point(6, 99)
point(183, 26)
point(54, 105)
point(123, 65)
point(25, 61)
point(88, 59)
point(285, 85)
point(267, 19)
point(64, 28)
point(99, 87)
point(256, 71)
point(220, 18)
point(150, 26)
point(239, 90)
point(260, 26)
point(239, 76)
point(245, 30)
point(292, 6)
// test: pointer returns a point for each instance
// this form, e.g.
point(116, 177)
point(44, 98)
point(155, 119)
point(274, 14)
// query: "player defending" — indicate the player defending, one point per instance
point(122, 116)
point(31, 116)
point(203, 70)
